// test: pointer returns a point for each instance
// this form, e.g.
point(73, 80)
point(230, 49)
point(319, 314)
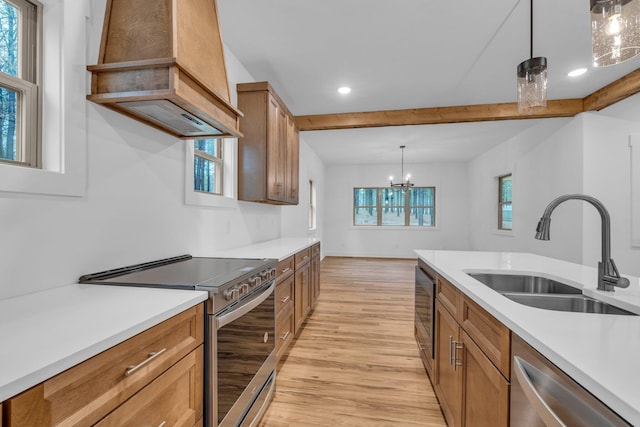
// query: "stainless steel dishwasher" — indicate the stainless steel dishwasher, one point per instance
point(544, 396)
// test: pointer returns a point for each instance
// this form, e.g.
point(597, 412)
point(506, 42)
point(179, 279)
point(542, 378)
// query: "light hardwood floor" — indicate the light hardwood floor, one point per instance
point(356, 363)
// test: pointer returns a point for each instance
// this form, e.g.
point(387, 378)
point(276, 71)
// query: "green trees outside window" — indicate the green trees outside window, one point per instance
point(394, 206)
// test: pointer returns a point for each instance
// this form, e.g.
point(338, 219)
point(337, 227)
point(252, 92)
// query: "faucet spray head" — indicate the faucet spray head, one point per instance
point(542, 230)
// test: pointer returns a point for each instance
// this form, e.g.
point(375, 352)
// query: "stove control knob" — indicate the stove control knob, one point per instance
point(232, 294)
point(244, 288)
point(265, 275)
point(273, 272)
point(255, 281)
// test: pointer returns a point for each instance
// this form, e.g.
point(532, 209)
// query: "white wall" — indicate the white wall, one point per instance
point(607, 176)
point(133, 209)
point(295, 219)
point(587, 154)
point(546, 161)
point(452, 210)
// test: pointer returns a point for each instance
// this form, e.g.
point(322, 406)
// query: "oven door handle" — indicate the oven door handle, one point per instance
point(246, 307)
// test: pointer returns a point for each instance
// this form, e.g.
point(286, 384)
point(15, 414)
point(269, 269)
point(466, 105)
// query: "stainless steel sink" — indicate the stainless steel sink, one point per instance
point(573, 303)
point(523, 284)
point(549, 294)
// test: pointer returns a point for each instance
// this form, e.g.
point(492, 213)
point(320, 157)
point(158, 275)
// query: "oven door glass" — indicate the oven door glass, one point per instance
point(243, 346)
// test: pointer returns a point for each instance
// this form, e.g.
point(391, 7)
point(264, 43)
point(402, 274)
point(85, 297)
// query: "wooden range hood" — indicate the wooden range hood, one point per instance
point(161, 62)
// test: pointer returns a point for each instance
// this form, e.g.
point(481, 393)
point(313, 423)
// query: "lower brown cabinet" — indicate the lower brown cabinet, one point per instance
point(285, 325)
point(302, 305)
point(173, 399)
point(155, 377)
point(297, 292)
point(314, 275)
point(471, 390)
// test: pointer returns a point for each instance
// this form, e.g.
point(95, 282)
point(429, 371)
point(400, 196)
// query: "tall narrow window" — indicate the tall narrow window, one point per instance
point(505, 205)
point(207, 165)
point(312, 205)
point(394, 206)
point(19, 74)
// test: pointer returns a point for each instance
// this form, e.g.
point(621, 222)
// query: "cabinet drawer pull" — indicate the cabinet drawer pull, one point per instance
point(284, 337)
point(162, 424)
point(132, 368)
point(286, 269)
point(305, 257)
point(285, 299)
point(450, 350)
point(457, 346)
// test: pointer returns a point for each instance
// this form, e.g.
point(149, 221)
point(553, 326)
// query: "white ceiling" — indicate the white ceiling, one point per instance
point(409, 54)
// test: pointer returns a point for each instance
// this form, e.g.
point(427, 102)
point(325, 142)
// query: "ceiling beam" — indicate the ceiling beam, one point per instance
point(437, 115)
point(618, 90)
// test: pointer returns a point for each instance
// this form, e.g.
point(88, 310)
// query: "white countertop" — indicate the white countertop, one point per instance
point(45, 333)
point(276, 249)
point(599, 351)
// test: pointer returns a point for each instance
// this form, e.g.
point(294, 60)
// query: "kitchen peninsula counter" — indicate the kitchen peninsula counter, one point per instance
point(599, 351)
point(45, 333)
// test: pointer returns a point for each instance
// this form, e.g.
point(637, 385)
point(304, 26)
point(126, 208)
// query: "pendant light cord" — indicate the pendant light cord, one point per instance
point(531, 29)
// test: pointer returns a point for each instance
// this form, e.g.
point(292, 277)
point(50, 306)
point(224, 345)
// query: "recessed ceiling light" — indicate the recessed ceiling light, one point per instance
point(344, 90)
point(577, 72)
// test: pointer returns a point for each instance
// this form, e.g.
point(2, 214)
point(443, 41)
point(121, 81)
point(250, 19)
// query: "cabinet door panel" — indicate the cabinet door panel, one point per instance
point(292, 161)
point(275, 185)
point(301, 295)
point(485, 401)
point(173, 399)
point(493, 338)
point(448, 378)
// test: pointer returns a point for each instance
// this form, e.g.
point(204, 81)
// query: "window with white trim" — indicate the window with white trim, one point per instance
point(208, 165)
point(20, 28)
point(312, 205)
point(505, 205)
point(387, 206)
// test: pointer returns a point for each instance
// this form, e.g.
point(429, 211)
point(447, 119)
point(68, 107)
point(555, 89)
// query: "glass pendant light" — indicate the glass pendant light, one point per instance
point(615, 31)
point(532, 78)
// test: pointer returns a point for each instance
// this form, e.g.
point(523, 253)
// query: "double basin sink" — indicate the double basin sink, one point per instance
point(541, 292)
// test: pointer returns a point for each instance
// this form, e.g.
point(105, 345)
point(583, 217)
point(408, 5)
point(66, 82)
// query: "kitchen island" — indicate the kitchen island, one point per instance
point(598, 351)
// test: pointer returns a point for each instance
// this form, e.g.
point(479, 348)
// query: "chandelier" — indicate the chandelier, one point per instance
point(406, 184)
point(532, 78)
point(615, 31)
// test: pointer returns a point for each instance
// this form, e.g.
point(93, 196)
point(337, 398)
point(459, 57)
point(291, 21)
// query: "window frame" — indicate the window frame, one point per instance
point(407, 209)
point(501, 203)
point(228, 199)
point(26, 85)
point(217, 160)
point(312, 206)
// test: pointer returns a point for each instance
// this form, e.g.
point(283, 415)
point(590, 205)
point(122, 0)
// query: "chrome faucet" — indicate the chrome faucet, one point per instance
point(608, 276)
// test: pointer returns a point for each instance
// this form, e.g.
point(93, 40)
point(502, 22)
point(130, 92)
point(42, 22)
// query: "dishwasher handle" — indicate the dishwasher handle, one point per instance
point(543, 410)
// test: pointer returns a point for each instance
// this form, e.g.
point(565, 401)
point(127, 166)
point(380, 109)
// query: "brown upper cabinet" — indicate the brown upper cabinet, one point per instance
point(268, 151)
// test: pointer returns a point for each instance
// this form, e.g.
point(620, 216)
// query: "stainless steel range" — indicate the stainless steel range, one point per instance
point(239, 327)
